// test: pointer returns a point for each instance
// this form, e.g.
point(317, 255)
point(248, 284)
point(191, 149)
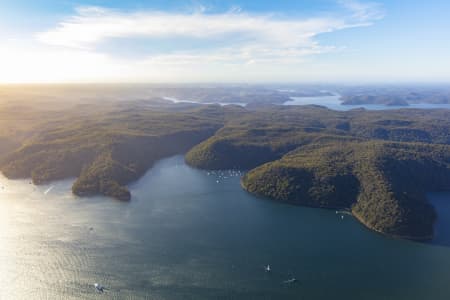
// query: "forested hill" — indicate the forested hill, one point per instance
point(379, 164)
point(105, 148)
point(383, 183)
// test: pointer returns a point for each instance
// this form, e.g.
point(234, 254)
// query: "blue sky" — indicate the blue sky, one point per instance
point(225, 41)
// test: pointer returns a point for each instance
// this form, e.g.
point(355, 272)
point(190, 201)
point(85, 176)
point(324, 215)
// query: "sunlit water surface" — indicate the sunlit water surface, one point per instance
point(190, 234)
point(334, 102)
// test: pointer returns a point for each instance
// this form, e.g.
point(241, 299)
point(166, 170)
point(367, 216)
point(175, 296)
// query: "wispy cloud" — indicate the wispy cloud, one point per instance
point(93, 24)
point(261, 37)
point(364, 11)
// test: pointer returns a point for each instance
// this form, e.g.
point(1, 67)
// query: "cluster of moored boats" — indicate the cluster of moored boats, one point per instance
point(222, 175)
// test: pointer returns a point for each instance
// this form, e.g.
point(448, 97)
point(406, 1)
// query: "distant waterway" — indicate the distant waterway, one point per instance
point(191, 234)
point(175, 100)
point(334, 102)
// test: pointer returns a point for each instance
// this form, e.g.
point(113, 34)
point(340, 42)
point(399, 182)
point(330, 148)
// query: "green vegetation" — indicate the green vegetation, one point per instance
point(108, 150)
point(378, 164)
point(383, 183)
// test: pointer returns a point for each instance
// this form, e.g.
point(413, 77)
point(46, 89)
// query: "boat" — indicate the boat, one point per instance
point(290, 281)
point(99, 288)
point(49, 190)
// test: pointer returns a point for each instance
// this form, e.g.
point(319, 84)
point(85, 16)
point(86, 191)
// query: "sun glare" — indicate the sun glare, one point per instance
point(36, 65)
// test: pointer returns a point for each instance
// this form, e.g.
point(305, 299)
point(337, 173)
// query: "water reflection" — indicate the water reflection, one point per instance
point(441, 202)
point(186, 236)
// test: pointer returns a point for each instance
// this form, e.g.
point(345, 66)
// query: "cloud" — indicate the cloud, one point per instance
point(244, 37)
point(364, 11)
point(93, 25)
point(197, 45)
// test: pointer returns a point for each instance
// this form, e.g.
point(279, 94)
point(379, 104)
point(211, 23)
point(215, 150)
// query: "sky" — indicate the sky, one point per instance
point(252, 41)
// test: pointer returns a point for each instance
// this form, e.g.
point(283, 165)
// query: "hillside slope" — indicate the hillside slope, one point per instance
point(379, 164)
point(106, 153)
point(383, 183)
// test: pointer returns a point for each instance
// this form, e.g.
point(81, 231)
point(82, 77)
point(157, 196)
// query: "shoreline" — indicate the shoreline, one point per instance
point(394, 236)
point(350, 212)
point(242, 185)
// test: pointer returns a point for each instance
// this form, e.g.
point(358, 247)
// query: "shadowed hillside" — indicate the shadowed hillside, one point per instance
point(383, 183)
point(108, 150)
point(317, 157)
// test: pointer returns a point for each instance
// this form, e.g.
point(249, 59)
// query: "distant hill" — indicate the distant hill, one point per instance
point(394, 95)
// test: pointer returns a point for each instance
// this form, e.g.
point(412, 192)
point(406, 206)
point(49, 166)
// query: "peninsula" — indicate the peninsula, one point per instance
point(378, 164)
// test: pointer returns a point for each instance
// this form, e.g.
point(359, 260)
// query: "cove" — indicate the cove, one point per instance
point(193, 234)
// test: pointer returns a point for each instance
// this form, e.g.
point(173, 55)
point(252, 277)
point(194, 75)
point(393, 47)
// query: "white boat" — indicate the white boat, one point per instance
point(99, 288)
point(290, 281)
point(48, 190)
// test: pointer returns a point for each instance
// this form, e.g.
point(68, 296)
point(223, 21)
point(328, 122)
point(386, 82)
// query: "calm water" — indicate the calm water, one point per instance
point(175, 100)
point(188, 234)
point(334, 102)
